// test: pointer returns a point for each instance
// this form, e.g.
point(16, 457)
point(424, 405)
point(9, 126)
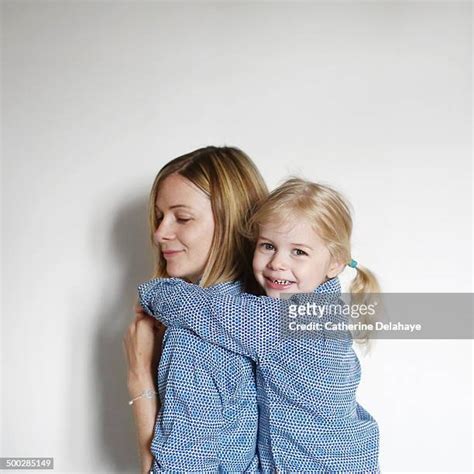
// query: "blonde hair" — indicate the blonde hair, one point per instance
point(234, 186)
point(330, 215)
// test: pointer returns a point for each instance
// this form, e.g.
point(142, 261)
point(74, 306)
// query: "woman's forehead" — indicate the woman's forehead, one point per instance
point(176, 191)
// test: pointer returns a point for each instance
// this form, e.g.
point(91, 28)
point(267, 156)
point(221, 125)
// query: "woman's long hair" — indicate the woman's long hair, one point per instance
point(235, 187)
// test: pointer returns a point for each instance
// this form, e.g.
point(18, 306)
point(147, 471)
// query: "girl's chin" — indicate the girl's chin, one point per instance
point(275, 287)
point(276, 293)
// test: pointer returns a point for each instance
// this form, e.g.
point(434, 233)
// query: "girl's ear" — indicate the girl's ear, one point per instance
point(335, 267)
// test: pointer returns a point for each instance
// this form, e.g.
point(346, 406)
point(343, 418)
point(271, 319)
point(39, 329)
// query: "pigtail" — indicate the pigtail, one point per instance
point(364, 290)
point(364, 282)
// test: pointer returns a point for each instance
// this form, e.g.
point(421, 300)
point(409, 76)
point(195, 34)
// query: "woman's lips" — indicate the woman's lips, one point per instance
point(277, 284)
point(167, 254)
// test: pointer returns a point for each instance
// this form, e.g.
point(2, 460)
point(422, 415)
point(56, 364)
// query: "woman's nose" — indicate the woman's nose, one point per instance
point(164, 232)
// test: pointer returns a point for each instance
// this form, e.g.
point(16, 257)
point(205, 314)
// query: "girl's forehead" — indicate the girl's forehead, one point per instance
point(288, 227)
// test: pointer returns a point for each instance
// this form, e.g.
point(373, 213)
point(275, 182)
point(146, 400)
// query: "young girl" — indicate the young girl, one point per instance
point(309, 419)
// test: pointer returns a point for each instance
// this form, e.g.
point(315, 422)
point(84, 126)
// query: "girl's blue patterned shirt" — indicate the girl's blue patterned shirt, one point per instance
point(208, 417)
point(310, 421)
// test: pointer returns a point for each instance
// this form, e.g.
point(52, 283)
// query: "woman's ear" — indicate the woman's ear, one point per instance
point(335, 267)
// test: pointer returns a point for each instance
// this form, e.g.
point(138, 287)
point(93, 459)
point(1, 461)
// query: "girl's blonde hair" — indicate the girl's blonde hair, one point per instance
point(234, 186)
point(331, 219)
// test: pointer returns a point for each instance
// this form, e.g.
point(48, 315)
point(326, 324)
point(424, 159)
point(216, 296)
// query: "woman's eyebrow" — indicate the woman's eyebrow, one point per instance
point(175, 206)
point(180, 205)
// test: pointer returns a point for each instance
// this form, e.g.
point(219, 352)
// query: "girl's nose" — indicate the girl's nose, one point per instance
point(277, 262)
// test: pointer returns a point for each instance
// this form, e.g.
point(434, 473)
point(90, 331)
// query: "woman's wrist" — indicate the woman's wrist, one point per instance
point(139, 380)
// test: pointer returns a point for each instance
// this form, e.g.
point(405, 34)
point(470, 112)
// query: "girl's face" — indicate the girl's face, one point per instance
point(185, 227)
point(292, 258)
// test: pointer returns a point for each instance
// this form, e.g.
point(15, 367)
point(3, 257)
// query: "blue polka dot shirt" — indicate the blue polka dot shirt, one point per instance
point(309, 419)
point(208, 417)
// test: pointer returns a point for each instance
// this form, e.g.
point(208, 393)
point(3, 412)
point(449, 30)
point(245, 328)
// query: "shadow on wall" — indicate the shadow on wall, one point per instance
point(132, 251)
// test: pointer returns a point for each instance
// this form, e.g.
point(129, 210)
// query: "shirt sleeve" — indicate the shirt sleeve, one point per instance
point(246, 324)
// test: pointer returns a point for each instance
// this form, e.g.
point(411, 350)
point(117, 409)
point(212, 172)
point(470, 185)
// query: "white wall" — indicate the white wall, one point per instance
point(374, 98)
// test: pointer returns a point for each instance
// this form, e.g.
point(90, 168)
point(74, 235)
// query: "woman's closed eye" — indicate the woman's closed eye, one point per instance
point(182, 219)
point(179, 219)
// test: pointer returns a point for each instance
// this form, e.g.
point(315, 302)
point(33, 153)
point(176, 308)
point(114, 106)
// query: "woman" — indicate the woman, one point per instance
point(207, 420)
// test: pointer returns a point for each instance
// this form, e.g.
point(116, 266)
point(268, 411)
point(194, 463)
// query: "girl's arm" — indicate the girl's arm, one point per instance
point(245, 324)
point(142, 345)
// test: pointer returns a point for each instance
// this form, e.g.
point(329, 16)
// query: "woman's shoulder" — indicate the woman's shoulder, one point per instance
point(232, 287)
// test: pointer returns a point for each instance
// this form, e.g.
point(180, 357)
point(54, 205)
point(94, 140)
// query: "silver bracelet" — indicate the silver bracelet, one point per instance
point(148, 393)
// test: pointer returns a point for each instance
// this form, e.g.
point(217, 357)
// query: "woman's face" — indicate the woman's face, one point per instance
point(185, 227)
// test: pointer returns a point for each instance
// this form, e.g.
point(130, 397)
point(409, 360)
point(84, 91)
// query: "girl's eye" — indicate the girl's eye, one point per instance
point(266, 246)
point(300, 252)
point(183, 220)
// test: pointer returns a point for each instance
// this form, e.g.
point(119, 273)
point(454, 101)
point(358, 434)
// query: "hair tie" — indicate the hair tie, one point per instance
point(352, 263)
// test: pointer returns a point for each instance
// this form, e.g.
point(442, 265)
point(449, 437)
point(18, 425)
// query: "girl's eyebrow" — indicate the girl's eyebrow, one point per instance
point(296, 245)
point(303, 245)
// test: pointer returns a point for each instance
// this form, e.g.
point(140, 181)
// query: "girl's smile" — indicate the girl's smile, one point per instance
point(277, 283)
